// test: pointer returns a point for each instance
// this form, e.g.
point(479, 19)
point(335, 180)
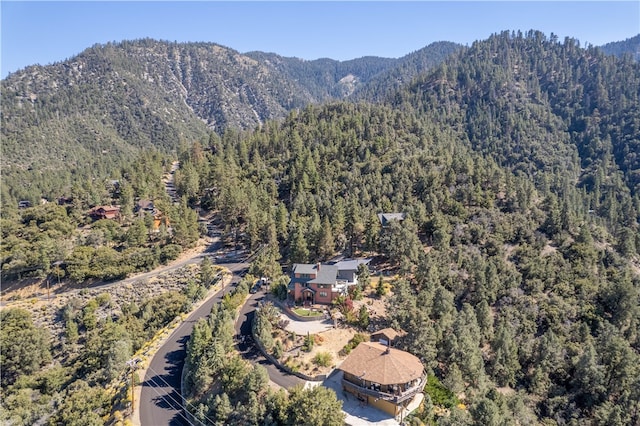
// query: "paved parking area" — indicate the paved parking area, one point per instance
point(304, 327)
point(358, 414)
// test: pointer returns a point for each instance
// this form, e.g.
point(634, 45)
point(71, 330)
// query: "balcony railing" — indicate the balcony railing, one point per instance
point(396, 398)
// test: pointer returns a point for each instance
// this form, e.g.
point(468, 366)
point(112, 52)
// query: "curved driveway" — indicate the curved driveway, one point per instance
point(250, 352)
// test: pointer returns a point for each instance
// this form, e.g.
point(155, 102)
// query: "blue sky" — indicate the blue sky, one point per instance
point(47, 32)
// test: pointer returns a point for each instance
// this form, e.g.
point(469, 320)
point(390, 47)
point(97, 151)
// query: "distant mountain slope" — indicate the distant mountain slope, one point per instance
point(114, 99)
point(534, 103)
point(327, 78)
point(629, 46)
point(407, 68)
point(136, 94)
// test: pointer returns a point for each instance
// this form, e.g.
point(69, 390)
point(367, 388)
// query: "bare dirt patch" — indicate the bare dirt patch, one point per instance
point(376, 305)
point(330, 342)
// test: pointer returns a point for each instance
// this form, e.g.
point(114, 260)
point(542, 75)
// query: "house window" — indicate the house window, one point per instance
point(323, 294)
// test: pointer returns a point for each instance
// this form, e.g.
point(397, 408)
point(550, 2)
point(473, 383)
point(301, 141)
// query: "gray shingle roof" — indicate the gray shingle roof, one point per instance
point(385, 218)
point(304, 268)
point(351, 264)
point(326, 275)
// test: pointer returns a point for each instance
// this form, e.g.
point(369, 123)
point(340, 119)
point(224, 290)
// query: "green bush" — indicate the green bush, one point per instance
point(103, 299)
point(322, 359)
point(278, 350)
point(279, 288)
point(355, 341)
point(170, 252)
point(439, 394)
point(307, 346)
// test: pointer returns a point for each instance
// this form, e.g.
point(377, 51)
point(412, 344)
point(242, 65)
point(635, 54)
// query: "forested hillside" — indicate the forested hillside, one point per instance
point(538, 105)
point(519, 285)
point(630, 46)
point(85, 115)
point(515, 161)
point(511, 300)
point(61, 240)
point(406, 69)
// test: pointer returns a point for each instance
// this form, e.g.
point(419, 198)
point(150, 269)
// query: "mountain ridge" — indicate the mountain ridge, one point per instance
point(112, 100)
point(537, 101)
point(204, 86)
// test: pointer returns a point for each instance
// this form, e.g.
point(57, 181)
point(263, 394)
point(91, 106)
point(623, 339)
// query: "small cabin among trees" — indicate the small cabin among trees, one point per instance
point(386, 218)
point(105, 212)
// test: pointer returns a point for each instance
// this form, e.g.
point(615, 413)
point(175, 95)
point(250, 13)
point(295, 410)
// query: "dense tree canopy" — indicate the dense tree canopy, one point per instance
point(515, 163)
point(517, 246)
point(25, 347)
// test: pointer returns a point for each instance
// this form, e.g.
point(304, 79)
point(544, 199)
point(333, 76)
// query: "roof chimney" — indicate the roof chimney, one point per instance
point(318, 267)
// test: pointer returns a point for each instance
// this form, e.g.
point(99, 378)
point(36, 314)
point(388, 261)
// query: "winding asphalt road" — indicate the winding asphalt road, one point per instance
point(160, 400)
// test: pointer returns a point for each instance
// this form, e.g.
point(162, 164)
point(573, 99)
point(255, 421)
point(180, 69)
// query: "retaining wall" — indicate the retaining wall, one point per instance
point(291, 313)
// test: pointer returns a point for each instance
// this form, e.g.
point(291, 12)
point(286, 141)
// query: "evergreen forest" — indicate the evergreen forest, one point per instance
point(516, 161)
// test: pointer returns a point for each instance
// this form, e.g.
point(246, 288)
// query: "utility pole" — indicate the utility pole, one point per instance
point(133, 363)
point(133, 391)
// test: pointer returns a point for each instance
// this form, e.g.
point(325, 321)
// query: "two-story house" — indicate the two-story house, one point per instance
point(321, 283)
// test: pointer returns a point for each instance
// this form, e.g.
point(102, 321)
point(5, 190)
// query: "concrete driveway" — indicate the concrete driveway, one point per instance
point(358, 414)
point(303, 327)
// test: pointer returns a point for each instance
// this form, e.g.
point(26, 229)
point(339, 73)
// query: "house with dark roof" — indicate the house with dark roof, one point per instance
point(143, 207)
point(322, 283)
point(382, 376)
point(105, 212)
point(386, 218)
point(146, 206)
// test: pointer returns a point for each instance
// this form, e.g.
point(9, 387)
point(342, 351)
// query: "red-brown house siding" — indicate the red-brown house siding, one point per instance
point(319, 294)
point(298, 292)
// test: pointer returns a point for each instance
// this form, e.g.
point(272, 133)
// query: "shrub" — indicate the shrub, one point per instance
point(355, 341)
point(103, 299)
point(323, 359)
point(363, 317)
point(439, 394)
point(355, 293)
point(292, 365)
point(278, 349)
point(170, 252)
point(279, 288)
point(307, 346)
point(381, 290)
